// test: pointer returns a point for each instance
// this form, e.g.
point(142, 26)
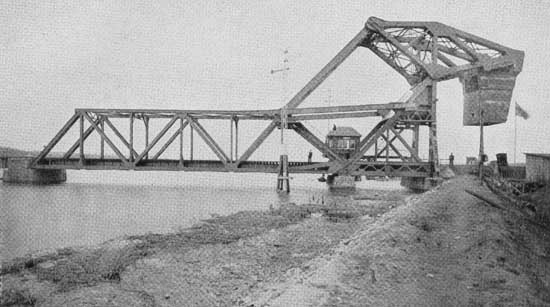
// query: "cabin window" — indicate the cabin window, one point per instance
point(342, 143)
point(471, 84)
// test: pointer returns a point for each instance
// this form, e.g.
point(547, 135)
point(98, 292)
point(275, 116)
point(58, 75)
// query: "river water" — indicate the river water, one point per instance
point(93, 207)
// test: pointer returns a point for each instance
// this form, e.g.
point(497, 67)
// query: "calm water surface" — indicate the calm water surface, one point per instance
point(93, 207)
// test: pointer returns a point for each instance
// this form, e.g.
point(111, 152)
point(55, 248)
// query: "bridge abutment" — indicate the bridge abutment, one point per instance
point(19, 171)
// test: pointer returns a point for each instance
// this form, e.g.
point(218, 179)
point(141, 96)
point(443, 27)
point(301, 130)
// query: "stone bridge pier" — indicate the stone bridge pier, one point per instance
point(420, 184)
point(19, 171)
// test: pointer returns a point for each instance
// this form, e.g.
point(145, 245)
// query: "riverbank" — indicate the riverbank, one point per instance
point(443, 247)
point(109, 269)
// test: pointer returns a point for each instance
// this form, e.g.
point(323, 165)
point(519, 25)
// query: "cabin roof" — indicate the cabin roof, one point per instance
point(344, 131)
point(540, 155)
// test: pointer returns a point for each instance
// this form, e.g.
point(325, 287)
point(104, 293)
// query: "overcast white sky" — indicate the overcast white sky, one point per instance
point(59, 55)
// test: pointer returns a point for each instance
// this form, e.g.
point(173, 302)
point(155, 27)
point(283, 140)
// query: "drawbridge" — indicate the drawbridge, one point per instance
point(424, 53)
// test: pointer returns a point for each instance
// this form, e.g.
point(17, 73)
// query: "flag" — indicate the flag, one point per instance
point(521, 112)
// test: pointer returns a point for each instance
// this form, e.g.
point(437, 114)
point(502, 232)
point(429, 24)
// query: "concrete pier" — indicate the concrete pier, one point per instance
point(420, 183)
point(341, 182)
point(19, 171)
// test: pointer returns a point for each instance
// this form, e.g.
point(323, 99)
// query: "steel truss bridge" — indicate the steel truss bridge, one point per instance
point(424, 53)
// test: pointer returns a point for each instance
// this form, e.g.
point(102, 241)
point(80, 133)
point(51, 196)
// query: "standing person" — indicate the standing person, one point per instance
point(309, 156)
point(451, 160)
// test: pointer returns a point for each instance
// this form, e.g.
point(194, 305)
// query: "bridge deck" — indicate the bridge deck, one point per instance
point(365, 168)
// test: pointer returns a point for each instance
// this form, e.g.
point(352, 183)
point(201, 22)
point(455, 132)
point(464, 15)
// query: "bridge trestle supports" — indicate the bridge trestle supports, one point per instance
point(19, 171)
point(283, 180)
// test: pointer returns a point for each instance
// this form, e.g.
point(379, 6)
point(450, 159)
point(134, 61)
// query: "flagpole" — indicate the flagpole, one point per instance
point(515, 131)
point(481, 147)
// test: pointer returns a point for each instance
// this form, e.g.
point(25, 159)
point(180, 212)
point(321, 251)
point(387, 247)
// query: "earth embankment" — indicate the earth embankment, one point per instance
point(443, 248)
point(440, 248)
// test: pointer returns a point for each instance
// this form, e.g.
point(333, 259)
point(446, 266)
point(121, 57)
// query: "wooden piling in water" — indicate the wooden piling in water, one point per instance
point(283, 180)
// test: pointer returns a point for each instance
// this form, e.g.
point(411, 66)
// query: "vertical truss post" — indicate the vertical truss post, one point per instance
point(430, 130)
point(376, 150)
point(433, 102)
point(191, 143)
point(284, 124)
point(231, 140)
point(146, 122)
point(236, 138)
point(102, 143)
point(81, 159)
point(386, 168)
point(131, 154)
point(181, 141)
point(415, 137)
point(433, 152)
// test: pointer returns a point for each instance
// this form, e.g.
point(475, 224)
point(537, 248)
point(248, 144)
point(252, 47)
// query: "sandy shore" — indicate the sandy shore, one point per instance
point(440, 248)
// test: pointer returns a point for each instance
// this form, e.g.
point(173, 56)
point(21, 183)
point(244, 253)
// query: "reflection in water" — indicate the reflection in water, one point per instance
point(96, 206)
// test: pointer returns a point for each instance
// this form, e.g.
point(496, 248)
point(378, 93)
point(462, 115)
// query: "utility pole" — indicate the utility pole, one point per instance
point(284, 88)
point(515, 133)
point(283, 180)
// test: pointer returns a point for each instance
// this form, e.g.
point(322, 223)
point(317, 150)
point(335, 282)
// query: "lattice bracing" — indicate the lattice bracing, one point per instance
point(420, 49)
point(424, 53)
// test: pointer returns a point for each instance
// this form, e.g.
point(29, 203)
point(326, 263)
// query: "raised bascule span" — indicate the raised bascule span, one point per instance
point(424, 53)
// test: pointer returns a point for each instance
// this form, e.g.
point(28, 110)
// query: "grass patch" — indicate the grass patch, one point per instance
point(16, 297)
point(87, 268)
